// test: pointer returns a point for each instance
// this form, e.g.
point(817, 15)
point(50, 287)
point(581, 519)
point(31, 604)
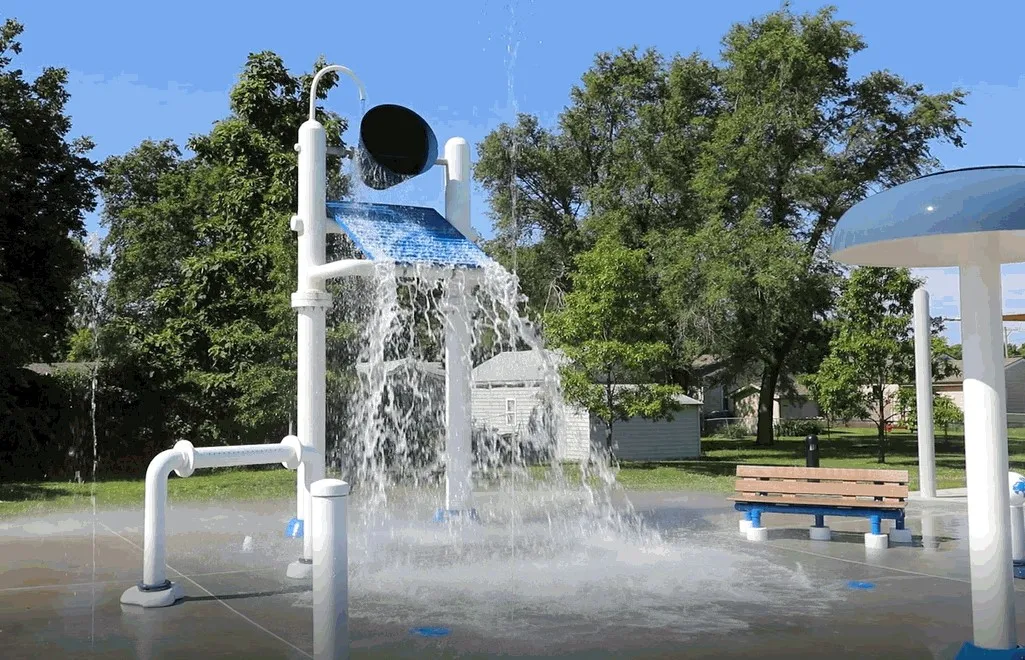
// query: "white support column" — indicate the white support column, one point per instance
point(330, 569)
point(458, 364)
point(923, 396)
point(311, 302)
point(989, 533)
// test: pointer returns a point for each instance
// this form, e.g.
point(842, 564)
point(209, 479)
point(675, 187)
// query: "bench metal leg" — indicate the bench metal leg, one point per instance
point(757, 532)
point(875, 540)
point(819, 531)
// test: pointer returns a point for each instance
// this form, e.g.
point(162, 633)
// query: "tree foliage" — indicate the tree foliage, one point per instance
point(204, 261)
point(613, 334)
point(46, 187)
point(729, 174)
point(872, 352)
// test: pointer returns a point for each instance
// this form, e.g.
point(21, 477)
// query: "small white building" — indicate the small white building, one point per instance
point(508, 391)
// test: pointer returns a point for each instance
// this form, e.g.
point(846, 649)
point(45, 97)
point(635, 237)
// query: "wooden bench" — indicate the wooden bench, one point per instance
point(820, 492)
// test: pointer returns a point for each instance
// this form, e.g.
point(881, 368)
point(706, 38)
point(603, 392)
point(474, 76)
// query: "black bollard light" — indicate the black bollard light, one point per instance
point(395, 144)
point(811, 451)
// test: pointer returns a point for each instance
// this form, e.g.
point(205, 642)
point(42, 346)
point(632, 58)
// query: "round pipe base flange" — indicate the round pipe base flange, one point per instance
point(141, 596)
point(300, 569)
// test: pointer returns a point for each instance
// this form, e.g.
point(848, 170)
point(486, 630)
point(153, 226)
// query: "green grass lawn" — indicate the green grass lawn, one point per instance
point(849, 448)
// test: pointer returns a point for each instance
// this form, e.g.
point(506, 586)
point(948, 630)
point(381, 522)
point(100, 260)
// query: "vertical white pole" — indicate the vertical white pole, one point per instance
point(310, 302)
point(923, 395)
point(989, 533)
point(330, 570)
point(458, 365)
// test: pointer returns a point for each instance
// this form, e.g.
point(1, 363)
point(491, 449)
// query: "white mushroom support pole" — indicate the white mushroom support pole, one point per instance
point(156, 590)
point(989, 533)
point(923, 395)
point(310, 302)
point(458, 365)
point(330, 569)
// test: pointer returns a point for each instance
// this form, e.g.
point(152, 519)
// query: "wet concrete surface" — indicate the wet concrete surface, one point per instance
point(703, 593)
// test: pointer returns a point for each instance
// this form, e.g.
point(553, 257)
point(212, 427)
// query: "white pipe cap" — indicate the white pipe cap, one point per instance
point(329, 488)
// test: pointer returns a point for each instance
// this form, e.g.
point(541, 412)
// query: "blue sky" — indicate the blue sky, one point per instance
point(155, 70)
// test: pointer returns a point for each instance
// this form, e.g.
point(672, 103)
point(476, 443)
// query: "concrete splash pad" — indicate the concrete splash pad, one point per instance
point(530, 586)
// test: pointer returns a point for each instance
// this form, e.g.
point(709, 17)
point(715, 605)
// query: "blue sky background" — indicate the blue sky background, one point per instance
point(155, 70)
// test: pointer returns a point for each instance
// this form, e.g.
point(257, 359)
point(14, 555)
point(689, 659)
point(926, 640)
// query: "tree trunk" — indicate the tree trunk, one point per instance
point(608, 443)
point(881, 426)
point(766, 399)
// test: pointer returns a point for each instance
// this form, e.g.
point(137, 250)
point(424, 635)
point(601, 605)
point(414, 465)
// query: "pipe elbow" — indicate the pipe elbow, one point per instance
point(179, 459)
point(298, 452)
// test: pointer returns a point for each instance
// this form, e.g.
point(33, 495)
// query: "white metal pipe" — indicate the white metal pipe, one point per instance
point(343, 268)
point(985, 424)
point(328, 69)
point(458, 364)
point(154, 552)
point(311, 374)
point(923, 395)
point(183, 459)
point(310, 303)
point(330, 570)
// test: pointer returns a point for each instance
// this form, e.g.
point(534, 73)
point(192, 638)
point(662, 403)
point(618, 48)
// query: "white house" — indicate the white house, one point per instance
point(508, 391)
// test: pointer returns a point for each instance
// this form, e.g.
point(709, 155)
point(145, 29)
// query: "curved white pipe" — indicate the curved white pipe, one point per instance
point(326, 70)
point(183, 459)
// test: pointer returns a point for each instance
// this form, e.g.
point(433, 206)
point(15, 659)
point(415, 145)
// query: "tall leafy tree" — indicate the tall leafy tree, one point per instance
point(613, 333)
point(618, 160)
point(803, 140)
point(46, 187)
point(204, 261)
point(872, 353)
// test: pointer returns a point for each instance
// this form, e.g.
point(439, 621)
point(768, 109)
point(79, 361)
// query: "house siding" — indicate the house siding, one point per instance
point(640, 439)
point(489, 407)
point(489, 410)
point(1014, 378)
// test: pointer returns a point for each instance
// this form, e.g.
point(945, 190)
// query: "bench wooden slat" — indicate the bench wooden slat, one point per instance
point(838, 488)
point(834, 474)
point(820, 501)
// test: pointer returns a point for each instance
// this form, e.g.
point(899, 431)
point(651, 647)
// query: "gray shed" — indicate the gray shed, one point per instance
point(507, 389)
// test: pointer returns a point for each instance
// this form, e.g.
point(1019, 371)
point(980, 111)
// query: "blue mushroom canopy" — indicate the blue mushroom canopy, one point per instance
point(944, 219)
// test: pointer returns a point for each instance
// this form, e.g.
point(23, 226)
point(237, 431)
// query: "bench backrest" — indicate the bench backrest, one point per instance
point(835, 483)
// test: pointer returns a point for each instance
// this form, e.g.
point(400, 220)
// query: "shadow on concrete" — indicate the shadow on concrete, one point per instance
point(253, 594)
point(21, 492)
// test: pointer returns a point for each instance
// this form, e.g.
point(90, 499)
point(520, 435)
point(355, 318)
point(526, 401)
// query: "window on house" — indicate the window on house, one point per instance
point(510, 412)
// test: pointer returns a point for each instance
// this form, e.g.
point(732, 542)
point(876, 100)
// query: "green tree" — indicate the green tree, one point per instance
point(945, 412)
point(46, 187)
point(803, 140)
point(619, 160)
point(872, 352)
point(612, 331)
point(203, 260)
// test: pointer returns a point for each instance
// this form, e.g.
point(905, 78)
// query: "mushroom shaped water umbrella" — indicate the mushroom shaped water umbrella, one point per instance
point(973, 219)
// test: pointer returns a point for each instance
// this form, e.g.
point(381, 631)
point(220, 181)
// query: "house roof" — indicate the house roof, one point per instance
point(45, 368)
point(526, 367)
point(958, 375)
point(517, 367)
point(431, 368)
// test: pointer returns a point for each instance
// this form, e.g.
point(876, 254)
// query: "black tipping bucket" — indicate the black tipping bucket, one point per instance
point(395, 144)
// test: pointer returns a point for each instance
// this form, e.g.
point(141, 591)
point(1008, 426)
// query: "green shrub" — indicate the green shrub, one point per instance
point(794, 428)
